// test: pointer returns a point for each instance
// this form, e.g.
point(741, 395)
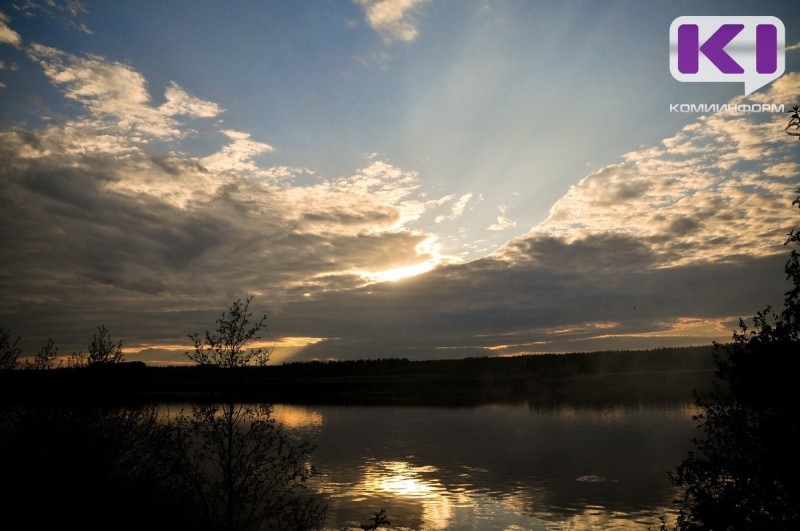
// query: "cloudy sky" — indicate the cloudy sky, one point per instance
point(415, 178)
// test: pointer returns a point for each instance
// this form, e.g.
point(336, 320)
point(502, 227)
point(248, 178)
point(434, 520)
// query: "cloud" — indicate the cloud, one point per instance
point(457, 210)
point(238, 155)
point(179, 102)
point(716, 189)
point(379, 185)
point(7, 35)
point(116, 95)
point(786, 170)
point(392, 18)
point(593, 293)
point(334, 227)
point(66, 13)
point(143, 236)
point(503, 222)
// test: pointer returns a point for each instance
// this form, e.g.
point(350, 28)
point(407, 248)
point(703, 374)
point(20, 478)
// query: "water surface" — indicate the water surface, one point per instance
point(504, 467)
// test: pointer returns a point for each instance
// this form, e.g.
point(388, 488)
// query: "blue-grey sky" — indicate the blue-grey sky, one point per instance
point(424, 178)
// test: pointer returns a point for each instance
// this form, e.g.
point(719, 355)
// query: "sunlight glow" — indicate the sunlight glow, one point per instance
point(430, 247)
point(285, 347)
point(399, 273)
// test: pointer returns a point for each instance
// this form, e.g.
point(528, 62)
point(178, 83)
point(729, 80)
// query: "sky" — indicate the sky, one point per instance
point(389, 178)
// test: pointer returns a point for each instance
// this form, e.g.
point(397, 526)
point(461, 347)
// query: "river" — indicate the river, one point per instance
point(495, 467)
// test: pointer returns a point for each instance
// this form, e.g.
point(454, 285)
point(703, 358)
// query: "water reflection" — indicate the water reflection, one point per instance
point(400, 480)
point(497, 467)
point(294, 417)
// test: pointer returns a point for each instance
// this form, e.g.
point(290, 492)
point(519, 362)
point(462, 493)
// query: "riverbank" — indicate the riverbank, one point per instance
point(662, 375)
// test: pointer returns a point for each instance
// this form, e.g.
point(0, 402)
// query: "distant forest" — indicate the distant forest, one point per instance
point(609, 376)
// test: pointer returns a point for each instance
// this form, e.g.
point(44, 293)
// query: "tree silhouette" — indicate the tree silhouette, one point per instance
point(793, 128)
point(9, 352)
point(227, 345)
point(743, 473)
point(240, 470)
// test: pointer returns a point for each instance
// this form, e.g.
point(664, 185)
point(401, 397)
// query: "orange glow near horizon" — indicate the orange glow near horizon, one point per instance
point(172, 353)
point(713, 329)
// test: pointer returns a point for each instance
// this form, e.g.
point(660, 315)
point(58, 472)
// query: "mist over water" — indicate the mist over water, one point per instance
point(495, 466)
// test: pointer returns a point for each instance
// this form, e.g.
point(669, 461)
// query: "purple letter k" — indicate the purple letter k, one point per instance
point(714, 48)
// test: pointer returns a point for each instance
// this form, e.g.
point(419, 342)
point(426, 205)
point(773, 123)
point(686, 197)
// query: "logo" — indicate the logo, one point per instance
point(727, 49)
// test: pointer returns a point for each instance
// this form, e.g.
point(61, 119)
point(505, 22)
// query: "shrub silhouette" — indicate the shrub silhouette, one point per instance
point(88, 467)
point(102, 351)
point(741, 476)
point(45, 357)
point(222, 466)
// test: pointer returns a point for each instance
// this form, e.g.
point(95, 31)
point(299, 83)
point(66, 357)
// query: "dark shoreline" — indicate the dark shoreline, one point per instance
point(619, 377)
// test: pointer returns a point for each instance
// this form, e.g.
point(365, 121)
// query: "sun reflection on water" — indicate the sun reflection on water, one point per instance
point(296, 417)
point(465, 487)
point(401, 480)
point(420, 499)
